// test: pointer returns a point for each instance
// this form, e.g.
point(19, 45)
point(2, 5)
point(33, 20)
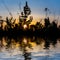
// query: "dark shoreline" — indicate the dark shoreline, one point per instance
point(39, 33)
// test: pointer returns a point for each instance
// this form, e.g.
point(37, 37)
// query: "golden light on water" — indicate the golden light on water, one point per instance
point(25, 41)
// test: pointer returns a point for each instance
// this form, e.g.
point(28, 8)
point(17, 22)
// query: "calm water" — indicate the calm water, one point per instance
point(29, 48)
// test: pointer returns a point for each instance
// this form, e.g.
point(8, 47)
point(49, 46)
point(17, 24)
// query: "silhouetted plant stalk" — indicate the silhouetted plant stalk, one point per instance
point(24, 27)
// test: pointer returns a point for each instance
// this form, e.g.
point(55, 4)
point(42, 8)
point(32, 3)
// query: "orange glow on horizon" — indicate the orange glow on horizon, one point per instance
point(36, 18)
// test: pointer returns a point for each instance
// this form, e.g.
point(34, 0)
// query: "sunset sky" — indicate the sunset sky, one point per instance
point(37, 7)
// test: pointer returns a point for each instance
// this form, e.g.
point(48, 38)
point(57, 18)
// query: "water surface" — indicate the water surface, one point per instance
point(29, 48)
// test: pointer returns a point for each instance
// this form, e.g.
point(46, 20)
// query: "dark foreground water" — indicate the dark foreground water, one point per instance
point(29, 48)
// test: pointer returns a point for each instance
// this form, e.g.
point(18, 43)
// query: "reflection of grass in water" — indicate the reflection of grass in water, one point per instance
point(21, 47)
point(26, 43)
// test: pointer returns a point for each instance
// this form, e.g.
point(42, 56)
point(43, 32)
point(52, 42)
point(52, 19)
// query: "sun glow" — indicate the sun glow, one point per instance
point(25, 26)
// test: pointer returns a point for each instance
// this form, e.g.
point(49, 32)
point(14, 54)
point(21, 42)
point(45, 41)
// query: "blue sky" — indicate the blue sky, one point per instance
point(37, 7)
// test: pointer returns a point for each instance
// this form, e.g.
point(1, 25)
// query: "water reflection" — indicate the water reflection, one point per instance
point(28, 48)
